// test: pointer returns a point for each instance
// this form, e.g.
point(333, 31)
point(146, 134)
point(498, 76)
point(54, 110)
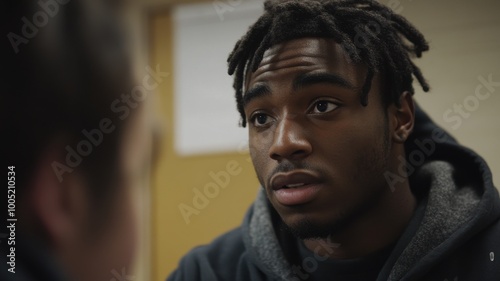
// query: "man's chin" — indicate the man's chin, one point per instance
point(307, 229)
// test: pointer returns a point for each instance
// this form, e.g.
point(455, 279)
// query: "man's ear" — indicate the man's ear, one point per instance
point(403, 117)
point(59, 208)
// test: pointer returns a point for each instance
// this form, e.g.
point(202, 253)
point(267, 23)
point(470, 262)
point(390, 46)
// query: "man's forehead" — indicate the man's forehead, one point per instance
point(309, 51)
point(319, 47)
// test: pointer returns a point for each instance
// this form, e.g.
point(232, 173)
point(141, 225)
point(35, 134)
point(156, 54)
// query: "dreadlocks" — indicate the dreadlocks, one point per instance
point(369, 33)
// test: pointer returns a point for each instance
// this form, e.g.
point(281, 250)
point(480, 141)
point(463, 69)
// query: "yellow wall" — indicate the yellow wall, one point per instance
point(176, 176)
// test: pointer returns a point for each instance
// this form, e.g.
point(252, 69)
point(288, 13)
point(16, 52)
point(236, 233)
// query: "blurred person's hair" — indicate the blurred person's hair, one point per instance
point(59, 82)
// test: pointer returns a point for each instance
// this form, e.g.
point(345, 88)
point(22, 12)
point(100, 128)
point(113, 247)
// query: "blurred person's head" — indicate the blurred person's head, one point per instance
point(77, 147)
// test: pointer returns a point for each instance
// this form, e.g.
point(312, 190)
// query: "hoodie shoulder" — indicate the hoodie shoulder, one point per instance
point(225, 258)
point(478, 259)
point(206, 262)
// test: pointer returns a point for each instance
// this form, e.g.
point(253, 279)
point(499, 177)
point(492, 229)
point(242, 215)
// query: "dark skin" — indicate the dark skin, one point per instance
point(310, 135)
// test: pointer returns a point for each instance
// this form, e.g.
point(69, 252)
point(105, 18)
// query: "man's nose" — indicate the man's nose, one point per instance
point(290, 141)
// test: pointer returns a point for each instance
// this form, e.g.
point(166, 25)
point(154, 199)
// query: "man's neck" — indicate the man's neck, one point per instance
point(374, 230)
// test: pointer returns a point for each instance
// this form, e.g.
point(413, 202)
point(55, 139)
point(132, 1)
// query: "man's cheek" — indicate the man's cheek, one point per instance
point(259, 164)
point(258, 153)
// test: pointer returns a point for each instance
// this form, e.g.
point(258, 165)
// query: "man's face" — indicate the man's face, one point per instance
point(319, 153)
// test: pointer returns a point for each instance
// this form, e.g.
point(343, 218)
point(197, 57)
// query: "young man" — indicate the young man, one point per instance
point(358, 183)
point(72, 163)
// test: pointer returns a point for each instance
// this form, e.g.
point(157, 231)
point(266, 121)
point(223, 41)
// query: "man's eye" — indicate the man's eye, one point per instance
point(260, 119)
point(323, 106)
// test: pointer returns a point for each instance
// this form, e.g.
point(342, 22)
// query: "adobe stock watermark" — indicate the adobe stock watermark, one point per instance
point(219, 181)
point(395, 5)
point(426, 147)
point(202, 196)
point(122, 107)
point(30, 28)
point(416, 158)
point(310, 264)
point(365, 33)
point(460, 111)
point(123, 276)
point(223, 6)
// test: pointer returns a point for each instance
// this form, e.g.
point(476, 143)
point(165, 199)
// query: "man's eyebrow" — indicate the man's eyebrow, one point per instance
point(255, 92)
point(300, 81)
point(307, 79)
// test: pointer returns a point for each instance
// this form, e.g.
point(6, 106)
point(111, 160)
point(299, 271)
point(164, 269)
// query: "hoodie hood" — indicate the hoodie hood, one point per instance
point(461, 201)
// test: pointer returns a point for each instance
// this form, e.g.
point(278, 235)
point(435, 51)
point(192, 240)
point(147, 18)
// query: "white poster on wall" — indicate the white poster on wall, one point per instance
point(206, 119)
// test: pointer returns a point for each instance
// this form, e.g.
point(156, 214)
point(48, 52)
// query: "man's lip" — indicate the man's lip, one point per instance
point(280, 180)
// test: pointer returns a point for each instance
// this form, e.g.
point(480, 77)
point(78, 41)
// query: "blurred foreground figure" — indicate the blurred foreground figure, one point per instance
point(357, 182)
point(72, 161)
